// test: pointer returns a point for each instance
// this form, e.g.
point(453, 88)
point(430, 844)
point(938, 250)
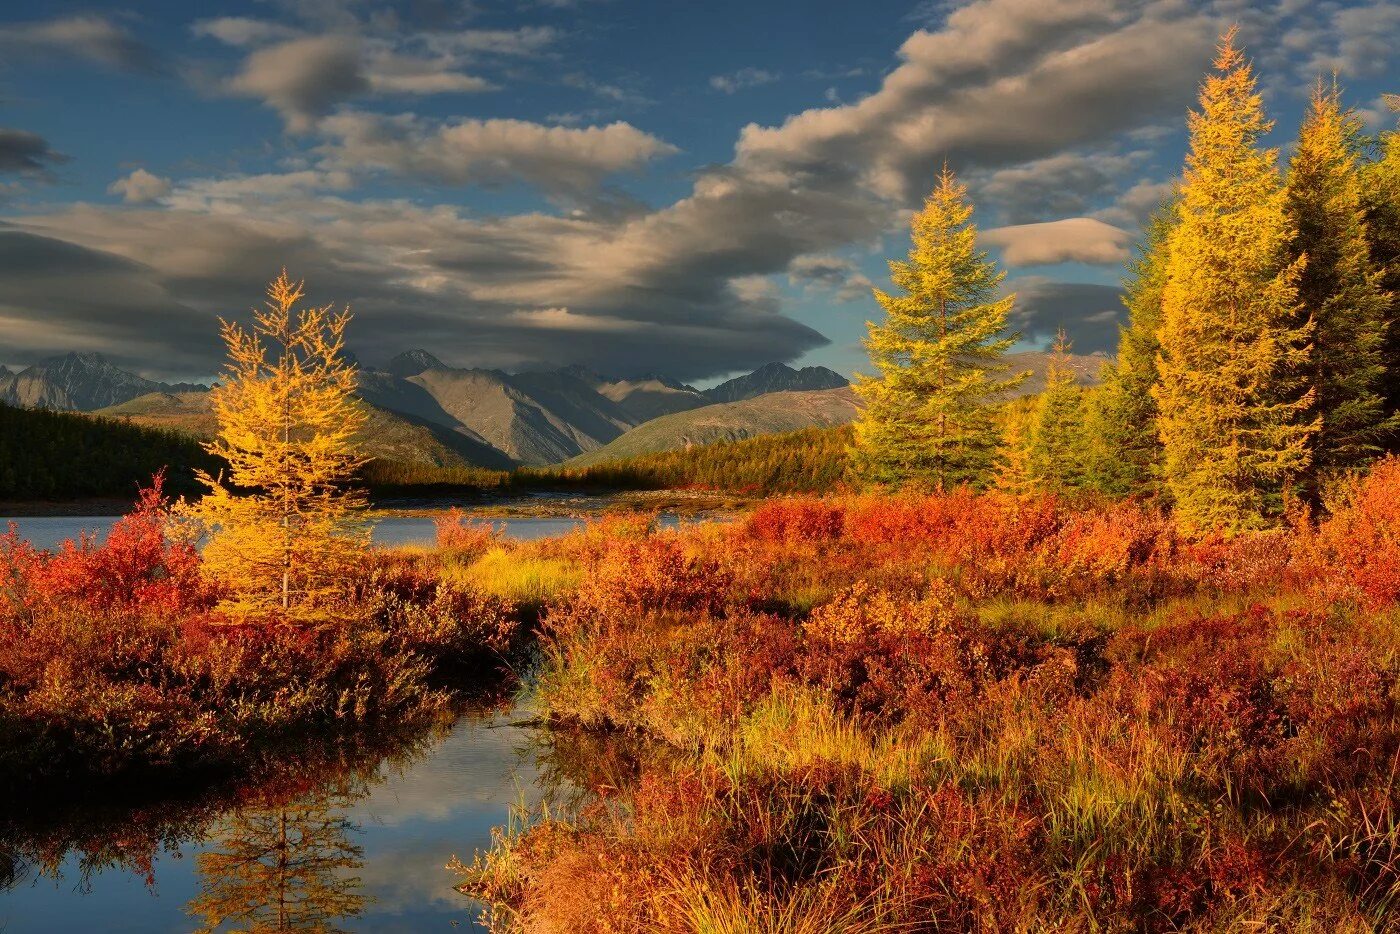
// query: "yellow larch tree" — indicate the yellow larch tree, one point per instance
point(1235, 411)
point(285, 525)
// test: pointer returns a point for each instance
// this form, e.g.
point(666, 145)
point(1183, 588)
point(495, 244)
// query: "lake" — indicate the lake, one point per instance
point(51, 531)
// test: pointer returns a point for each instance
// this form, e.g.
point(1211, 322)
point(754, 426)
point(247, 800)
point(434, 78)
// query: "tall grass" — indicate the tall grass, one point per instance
point(983, 714)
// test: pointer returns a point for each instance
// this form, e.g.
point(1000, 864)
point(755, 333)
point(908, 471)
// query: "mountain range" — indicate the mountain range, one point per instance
point(423, 411)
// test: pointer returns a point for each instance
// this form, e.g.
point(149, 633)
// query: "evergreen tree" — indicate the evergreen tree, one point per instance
point(1339, 288)
point(929, 416)
point(1236, 428)
point(1123, 447)
point(285, 527)
point(1380, 192)
point(1013, 472)
point(1055, 459)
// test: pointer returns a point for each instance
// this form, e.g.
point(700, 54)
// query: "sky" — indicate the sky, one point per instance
point(638, 186)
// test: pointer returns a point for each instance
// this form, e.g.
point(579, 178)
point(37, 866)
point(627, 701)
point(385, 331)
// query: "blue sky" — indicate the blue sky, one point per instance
point(688, 188)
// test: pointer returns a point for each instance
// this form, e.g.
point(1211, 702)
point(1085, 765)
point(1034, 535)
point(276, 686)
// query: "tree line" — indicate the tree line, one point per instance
point(1261, 357)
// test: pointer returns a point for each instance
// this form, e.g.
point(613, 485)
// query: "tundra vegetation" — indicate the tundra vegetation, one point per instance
point(1116, 658)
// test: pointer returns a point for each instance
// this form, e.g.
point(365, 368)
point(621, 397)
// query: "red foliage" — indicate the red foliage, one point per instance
point(1357, 549)
point(797, 520)
point(137, 569)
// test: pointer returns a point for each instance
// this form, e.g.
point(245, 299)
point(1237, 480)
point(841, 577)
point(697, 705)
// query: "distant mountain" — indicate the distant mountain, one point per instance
point(390, 436)
point(411, 363)
point(78, 381)
point(776, 377)
point(533, 418)
point(1086, 368)
point(731, 421)
point(644, 397)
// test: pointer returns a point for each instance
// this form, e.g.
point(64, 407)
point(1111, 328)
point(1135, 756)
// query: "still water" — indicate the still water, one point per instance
point(51, 531)
point(366, 838)
point(366, 850)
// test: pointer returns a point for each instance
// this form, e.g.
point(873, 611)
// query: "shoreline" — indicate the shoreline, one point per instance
point(562, 503)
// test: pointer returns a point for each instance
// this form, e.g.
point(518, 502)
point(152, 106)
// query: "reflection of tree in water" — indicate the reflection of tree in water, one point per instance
point(131, 827)
point(287, 867)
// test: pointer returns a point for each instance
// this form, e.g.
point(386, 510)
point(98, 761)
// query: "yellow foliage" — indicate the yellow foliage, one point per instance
point(1235, 410)
point(283, 526)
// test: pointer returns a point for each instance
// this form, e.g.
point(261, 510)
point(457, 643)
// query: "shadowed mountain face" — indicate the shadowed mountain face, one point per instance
point(776, 377)
point(77, 381)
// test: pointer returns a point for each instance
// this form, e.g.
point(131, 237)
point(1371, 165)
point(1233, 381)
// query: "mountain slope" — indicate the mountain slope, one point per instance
point(1085, 366)
point(776, 377)
point(731, 421)
point(649, 397)
point(78, 381)
point(389, 436)
point(533, 418)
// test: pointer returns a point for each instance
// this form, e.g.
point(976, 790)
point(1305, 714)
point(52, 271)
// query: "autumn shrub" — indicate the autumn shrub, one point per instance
point(1355, 552)
point(797, 520)
point(114, 658)
point(456, 533)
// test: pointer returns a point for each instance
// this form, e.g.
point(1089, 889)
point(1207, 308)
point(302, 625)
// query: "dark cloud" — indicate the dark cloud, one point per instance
point(62, 296)
point(303, 79)
point(25, 153)
point(1089, 313)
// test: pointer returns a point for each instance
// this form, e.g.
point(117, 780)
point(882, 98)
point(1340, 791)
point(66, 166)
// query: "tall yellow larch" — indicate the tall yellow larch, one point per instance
point(285, 524)
point(1236, 417)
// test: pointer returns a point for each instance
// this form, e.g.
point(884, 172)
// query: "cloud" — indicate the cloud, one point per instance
point(60, 295)
point(484, 291)
point(833, 273)
point(242, 30)
point(302, 79)
point(488, 152)
point(1056, 186)
point(91, 38)
point(1073, 240)
point(741, 79)
point(140, 187)
point(1003, 82)
point(1088, 312)
point(26, 153)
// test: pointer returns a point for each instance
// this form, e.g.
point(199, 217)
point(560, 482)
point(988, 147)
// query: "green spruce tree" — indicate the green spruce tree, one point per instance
point(1380, 191)
point(1123, 446)
point(930, 415)
point(1339, 288)
point(1055, 457)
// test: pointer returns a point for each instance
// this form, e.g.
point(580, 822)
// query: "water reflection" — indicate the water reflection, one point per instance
point(281, 868)
point(349, 836)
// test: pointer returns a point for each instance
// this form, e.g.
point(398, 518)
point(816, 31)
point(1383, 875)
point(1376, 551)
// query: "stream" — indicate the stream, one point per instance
point(364, 840)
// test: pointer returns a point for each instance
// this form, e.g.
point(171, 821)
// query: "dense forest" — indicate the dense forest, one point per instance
point(61, 455)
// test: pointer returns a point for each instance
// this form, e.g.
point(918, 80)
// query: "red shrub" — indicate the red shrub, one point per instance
point(1357, 549)
point(137, 569)
point(797, 520)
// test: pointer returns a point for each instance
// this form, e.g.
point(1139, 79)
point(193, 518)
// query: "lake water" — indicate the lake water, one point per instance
point(367, 854)
point(51, 531)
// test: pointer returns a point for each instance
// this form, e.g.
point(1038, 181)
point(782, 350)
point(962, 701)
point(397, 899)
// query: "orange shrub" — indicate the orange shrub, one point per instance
point(1357, 549)
point(797, 520)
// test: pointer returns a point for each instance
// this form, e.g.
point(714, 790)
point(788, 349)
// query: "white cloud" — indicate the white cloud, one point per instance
point(140, 187)
point(1075, 239)
point(488, 152)
point(743, 78)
